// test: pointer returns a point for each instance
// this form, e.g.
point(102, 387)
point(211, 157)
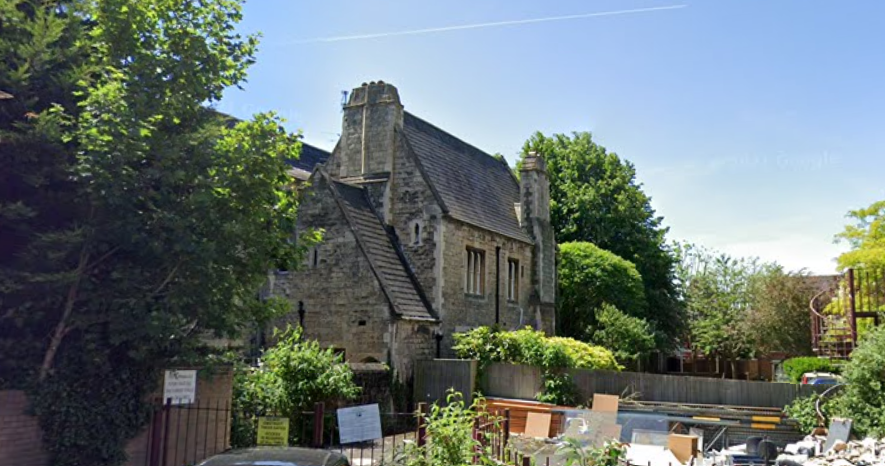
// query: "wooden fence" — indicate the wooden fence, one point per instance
point(433, 378)
point(513, 381)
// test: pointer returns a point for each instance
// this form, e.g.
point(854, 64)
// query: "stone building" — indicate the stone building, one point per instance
point(424, 235)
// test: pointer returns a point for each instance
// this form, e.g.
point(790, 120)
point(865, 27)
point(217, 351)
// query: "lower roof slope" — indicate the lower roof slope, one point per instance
point(381, 249)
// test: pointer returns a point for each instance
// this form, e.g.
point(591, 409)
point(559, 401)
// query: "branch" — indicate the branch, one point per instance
point(61, 329)
point(166, 280)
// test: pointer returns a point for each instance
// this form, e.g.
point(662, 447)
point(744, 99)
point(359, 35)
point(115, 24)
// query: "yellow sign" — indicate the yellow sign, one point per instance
point(273, 431)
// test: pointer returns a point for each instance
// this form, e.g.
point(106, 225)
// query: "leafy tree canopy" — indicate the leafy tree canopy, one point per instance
point(718, 296)
point(866, 236)
point(590, 277)
point(738, 307)
point(594, 197)
point(133, 220)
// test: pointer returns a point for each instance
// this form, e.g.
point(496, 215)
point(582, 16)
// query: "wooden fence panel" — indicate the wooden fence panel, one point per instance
point(523, 382)
point(433, 379)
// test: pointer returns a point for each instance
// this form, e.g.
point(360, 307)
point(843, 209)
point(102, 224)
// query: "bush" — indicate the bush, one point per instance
point(795, 367)
point(626, 336)
point(533, 348)
point(590, 277)
point(295, 374)
point(863, 398)
point(450, 429)
point(803, 410)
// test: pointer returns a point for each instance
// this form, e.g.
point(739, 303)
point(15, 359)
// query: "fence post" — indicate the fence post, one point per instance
point(319, 409)
point(526, 461)
point(422, 426)
point(156, 427)
point(852, 308)
point(506, 433)
point(166, 410)
point(477, 439)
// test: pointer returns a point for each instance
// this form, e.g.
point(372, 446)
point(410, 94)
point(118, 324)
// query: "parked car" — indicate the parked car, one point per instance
point(277, 456)
point(820, 378)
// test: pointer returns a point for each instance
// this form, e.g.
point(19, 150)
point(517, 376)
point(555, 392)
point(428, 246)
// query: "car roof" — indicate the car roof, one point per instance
point(277, 456)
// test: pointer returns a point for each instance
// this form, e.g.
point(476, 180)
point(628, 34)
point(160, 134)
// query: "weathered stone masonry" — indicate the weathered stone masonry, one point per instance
point(401, 202)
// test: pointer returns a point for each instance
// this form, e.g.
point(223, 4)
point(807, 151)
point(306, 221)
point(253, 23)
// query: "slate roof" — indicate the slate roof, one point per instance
point(310, 157)
point(380, 248)
point(474, 187)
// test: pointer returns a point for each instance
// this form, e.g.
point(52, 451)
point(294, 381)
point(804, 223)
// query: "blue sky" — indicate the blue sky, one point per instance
point(754, 125)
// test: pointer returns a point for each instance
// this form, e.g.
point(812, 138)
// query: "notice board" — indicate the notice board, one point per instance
point(273, 431)
point(359, 423)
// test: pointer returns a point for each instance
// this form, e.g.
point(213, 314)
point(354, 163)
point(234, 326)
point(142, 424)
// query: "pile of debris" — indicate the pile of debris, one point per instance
point(814, 451)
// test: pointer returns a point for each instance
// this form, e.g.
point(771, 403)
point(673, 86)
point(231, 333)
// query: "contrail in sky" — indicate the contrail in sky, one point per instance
point(486, 25)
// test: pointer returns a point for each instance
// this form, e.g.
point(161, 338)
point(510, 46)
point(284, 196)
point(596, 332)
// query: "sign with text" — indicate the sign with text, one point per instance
point(359, 423)
point(273, 431)
point(180, 386)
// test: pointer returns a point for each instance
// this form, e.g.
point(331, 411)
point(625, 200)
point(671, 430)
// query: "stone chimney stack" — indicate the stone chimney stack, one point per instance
point(534, 193)
point(372, 113)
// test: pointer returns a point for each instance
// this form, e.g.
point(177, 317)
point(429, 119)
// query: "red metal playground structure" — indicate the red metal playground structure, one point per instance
point(844, 309)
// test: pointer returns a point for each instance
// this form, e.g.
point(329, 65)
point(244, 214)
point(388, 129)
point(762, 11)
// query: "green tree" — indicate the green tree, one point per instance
point(627, 337)
point(594, 197)
point(590, 277)
point(134, 221)
point(866, 236)
point(779, 317)
point(718, 294)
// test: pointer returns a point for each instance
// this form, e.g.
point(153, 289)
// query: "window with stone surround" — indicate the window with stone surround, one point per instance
point(313, 257)
point(512, 279)
point(416, 233)
point(476, 271)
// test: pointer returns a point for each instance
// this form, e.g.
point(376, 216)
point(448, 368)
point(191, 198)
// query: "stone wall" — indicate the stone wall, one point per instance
point(413, 204)
point(344, 304)
point(413, 341)
point(461, 311)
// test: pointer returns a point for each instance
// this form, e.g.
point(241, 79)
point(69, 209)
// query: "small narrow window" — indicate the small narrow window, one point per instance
point(416, 234)
point(513, 280)
point(475, 282)
point(314, 257)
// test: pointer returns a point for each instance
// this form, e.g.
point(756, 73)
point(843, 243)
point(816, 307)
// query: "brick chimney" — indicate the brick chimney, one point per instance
point(371, 114)
point(534, 211)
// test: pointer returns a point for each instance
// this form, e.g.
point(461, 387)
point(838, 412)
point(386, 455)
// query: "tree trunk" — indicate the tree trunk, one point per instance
point(61, 328)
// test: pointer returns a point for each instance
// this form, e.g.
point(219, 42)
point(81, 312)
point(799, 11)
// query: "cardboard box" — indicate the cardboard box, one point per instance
point(684, 447)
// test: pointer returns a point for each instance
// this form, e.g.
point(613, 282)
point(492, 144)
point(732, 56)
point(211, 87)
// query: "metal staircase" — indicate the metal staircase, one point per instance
point(858, 296)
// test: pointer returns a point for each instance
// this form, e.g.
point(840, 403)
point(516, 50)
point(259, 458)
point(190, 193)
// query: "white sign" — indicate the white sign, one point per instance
point(359, 423)
point(181, 386)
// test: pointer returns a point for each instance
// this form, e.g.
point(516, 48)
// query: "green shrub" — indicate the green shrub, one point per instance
point(795, 367)
point(804, 412)
point(626, 336)
point(296, 373)
point(450, 429)
point(588, 277)
point(533, 348)
point(863, 398)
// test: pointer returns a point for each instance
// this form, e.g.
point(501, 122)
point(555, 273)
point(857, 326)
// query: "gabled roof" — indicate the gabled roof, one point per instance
point(381, 249)
point(474, 187)
point(308, 160)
